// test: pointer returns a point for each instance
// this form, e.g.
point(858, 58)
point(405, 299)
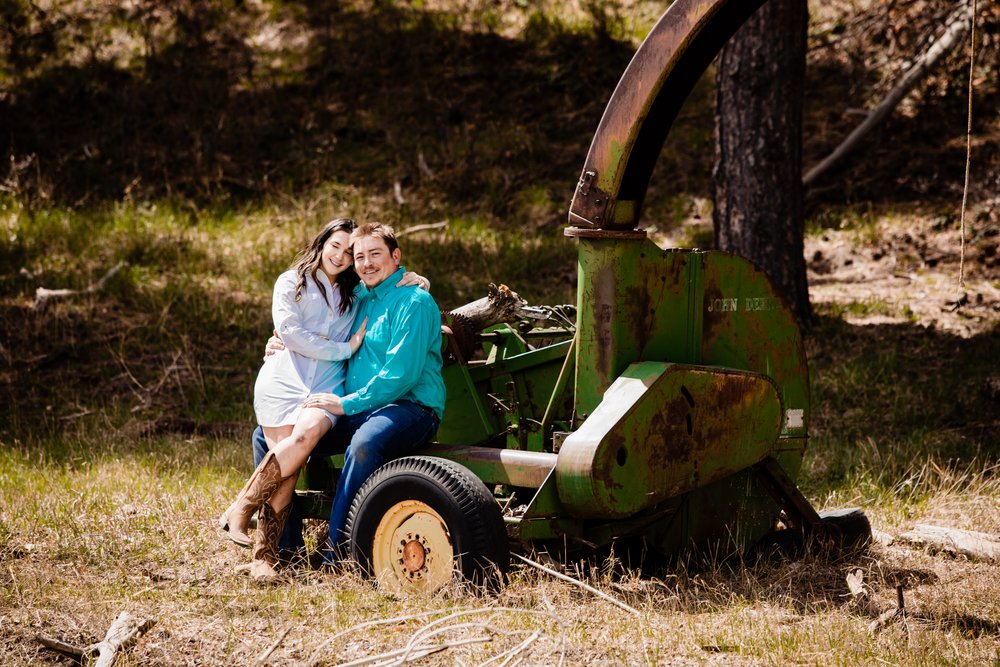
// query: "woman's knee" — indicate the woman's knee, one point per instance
point(309, 431)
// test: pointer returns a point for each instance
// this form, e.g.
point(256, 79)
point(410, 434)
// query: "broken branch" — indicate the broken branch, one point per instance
point(958, 24)
point(43, 295)
point(422, 228)
point(61, 647)
point(123, 631)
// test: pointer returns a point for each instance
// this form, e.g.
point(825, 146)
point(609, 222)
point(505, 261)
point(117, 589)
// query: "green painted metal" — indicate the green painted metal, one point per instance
point(506, 395)
point(475, 424)
point(637, 302)
point(662, 430)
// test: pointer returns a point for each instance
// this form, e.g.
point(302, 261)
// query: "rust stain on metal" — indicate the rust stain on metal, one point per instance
point(640, 315)
point(605, 314)
point(590, 203)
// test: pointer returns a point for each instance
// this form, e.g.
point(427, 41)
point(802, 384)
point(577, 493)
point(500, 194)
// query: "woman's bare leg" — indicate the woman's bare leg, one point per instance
point(293, 450)
point(275, 434)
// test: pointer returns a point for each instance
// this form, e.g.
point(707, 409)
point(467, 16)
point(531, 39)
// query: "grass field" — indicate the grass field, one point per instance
point(128, 427)
point(195, 159)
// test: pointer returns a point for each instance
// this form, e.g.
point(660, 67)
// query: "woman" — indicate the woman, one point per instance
point(313, 311)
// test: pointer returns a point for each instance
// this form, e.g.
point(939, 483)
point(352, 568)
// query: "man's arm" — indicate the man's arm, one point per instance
point(274, 343)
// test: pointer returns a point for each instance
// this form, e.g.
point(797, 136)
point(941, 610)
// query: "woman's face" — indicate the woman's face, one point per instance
point(336, 256)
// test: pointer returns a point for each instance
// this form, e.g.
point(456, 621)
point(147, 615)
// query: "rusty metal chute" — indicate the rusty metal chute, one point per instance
point(645, 103)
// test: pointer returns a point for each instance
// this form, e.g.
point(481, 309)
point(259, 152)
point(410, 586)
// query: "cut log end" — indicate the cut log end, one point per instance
point(501, 304)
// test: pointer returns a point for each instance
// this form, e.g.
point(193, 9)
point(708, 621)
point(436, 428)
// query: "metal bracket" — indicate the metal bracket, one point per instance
point(590, 203)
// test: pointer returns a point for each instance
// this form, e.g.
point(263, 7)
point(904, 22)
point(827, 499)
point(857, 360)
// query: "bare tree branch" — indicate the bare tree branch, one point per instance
point(958, 24)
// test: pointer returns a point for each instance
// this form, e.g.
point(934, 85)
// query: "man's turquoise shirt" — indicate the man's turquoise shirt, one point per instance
point(400, 358)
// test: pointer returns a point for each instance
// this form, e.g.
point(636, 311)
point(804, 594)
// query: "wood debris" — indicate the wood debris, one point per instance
point(968, 543)
point(122, 633)
point(43, 295)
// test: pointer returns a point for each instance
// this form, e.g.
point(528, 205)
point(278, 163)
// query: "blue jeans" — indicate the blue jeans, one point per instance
point(369, 439)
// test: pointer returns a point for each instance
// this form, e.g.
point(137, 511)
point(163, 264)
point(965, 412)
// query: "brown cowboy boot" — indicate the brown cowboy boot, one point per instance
point(262, 484)
point(265, 543)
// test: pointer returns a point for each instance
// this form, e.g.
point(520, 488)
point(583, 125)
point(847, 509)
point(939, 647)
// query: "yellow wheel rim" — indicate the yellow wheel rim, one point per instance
point(412, 550)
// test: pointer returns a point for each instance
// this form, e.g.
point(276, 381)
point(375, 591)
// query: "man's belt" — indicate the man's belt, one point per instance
point(429, 411)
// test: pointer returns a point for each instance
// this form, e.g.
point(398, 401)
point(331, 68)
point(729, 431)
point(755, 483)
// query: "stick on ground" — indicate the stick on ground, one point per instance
point(43, 295)
point(125, 629)
point(564, 577)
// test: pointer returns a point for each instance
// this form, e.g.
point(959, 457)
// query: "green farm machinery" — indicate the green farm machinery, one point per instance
point(671, 405)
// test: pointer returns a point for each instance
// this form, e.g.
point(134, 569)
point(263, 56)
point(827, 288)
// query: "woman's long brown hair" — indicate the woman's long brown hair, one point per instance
point(307, 263)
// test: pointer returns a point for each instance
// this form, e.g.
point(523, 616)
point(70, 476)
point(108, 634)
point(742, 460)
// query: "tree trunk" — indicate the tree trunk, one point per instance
point(758, 162)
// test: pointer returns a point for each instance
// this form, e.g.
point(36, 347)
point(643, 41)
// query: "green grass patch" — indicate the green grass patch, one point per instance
point(898, 412)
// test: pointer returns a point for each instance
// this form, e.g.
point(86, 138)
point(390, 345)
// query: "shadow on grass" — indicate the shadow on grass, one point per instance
point(179, 353)
point(890, 397)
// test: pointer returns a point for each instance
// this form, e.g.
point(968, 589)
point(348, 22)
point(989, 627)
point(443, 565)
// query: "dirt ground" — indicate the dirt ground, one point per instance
point(909, 268)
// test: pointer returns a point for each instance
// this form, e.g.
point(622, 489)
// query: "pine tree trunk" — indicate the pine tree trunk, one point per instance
point(758, 161)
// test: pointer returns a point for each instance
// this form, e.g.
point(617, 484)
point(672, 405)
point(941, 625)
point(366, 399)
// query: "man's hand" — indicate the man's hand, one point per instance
point(410, 278)
point(358, 336)
point(329, 402)
point(274, 345)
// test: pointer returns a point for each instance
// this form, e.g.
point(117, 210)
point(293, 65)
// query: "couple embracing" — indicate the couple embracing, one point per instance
point(374, 394)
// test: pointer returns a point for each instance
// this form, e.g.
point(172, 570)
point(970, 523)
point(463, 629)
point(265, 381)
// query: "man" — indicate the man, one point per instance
point(395, 395)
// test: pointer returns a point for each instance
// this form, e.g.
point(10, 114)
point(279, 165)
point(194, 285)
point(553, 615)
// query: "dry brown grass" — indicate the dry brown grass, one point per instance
point(87, 536)
point(97, 516)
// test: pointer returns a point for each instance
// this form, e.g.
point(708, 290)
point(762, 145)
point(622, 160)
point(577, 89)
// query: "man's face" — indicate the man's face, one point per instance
point(373, 261)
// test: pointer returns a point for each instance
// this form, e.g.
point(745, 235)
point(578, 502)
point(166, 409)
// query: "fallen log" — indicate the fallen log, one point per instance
point(501, 304)
point(968, 543)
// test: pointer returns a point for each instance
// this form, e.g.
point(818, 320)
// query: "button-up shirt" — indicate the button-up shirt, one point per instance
point(313, 332)
point(400, 358)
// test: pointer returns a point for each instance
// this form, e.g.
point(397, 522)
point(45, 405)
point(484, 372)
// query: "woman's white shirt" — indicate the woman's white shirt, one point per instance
point(315, 334)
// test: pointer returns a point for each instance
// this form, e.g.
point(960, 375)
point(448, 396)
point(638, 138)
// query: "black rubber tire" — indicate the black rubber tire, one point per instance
point(474, 523)
point(850, 528)
point(846, 531)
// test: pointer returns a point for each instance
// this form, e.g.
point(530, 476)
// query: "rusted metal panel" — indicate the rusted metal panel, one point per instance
point(590, 202)
point(631, 305)
point(662, 430)
point(746, 325)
